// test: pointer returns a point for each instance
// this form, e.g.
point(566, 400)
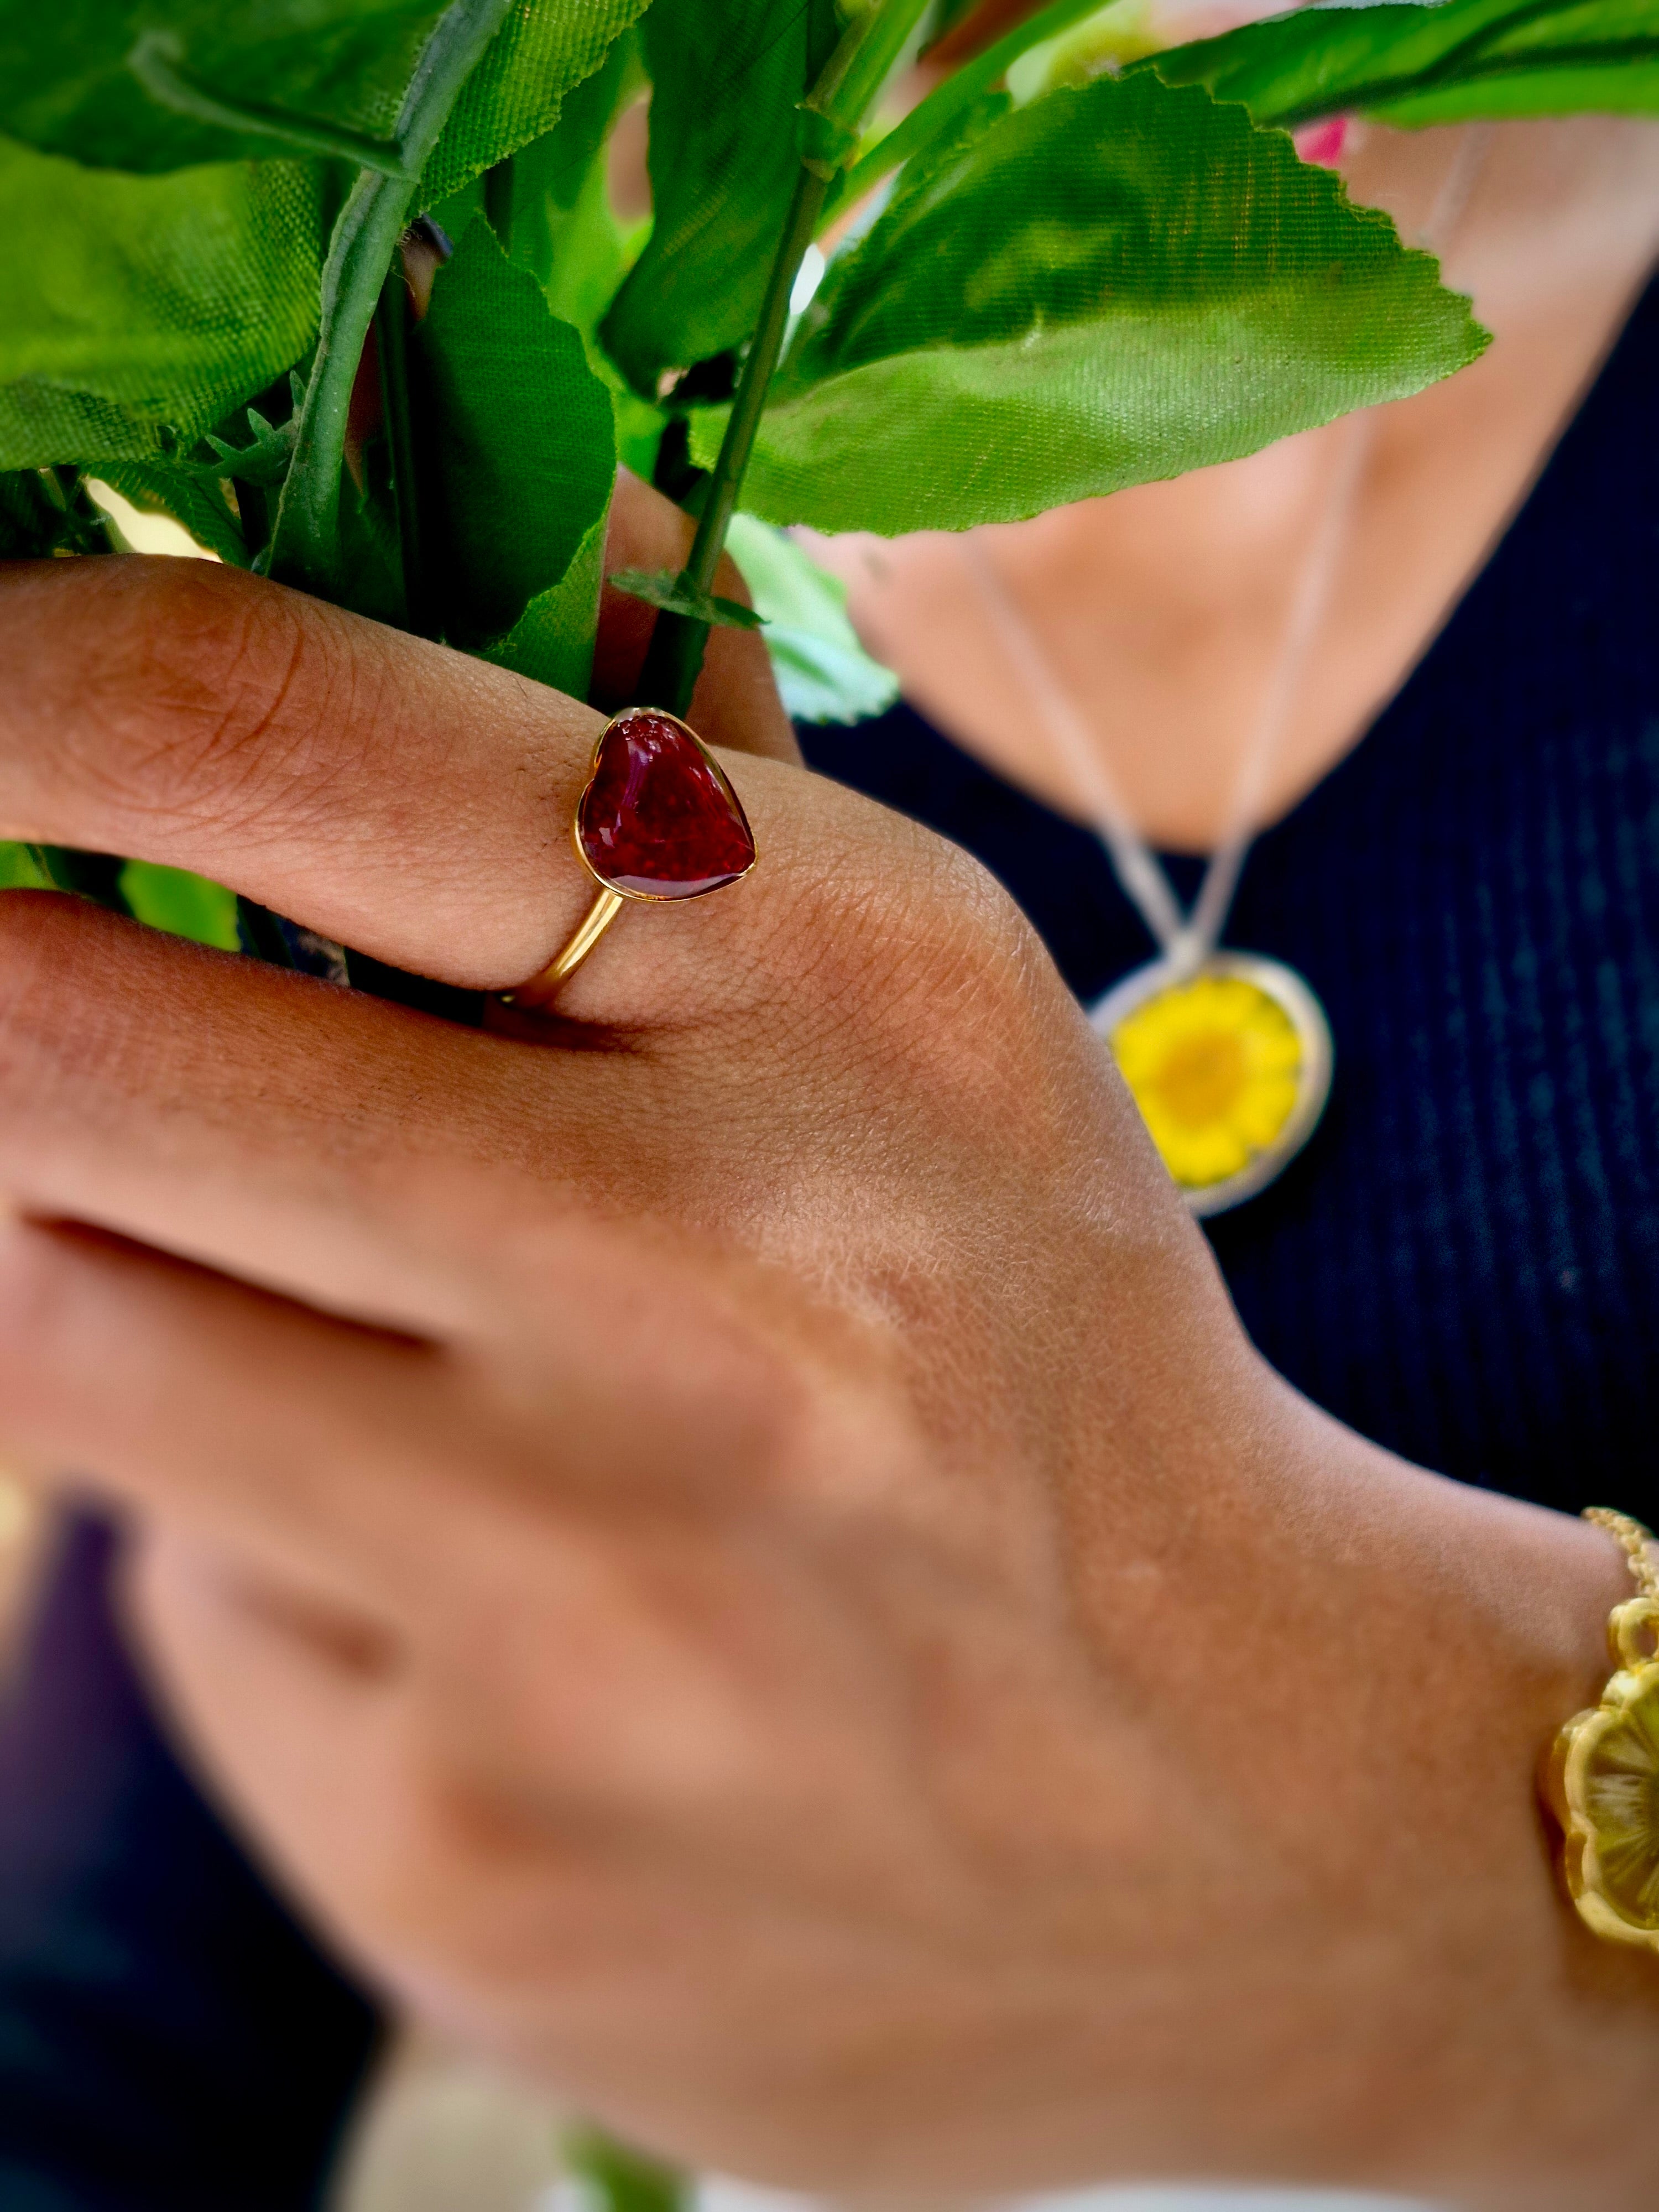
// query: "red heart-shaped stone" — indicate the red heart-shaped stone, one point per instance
point(658, 819)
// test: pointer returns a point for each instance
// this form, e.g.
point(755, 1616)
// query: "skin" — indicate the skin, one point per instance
point(729, 1546)
point(1164, 610)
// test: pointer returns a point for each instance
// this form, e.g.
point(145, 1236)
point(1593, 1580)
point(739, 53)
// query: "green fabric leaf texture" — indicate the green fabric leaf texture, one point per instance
point(727, 76)
point(1114, 284)
point(136, 302)
point(523, 462)
point(1457, 61)
point(823, 673)
point(65, 86)
point(543, 50)
point(663, 588)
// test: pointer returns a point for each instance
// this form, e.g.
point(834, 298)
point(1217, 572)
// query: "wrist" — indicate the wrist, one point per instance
point(1523, 2045)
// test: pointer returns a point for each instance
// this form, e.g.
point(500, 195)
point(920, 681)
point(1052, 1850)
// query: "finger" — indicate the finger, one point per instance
point(736, 690)
point(411, 801)
point(315, 1140)
point(347, 1478)
point(248, 1436)
point(377, 1164)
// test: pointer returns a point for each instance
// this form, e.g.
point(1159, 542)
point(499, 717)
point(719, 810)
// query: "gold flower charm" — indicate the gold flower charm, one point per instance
point(1603, 1787)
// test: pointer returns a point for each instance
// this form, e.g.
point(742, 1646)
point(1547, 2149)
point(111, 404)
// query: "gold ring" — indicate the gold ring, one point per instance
point(658, 820)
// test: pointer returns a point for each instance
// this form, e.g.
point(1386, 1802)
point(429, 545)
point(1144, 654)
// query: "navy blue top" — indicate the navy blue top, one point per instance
point(1464, 1264)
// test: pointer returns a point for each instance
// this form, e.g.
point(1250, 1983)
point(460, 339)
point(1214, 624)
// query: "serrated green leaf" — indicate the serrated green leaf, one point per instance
point(823, 673)
point(1114, 284)
point(727, 76)
point(552, 640)
point(663, 588)
point(265, 459)
point(542, 52)
point(1453, 62)
point(137, 302)
point(66, 85)
point(523, 452)
point(563, 230)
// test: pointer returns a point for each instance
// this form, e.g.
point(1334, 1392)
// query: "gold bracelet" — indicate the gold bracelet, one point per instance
point(1601, 1780)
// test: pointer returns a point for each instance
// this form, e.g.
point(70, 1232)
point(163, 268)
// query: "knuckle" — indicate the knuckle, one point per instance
point(198, 691)
point(912, 926)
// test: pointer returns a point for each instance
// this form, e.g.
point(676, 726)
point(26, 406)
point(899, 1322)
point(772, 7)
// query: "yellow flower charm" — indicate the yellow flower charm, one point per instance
point(1215, 1066)
point(1603, 1786)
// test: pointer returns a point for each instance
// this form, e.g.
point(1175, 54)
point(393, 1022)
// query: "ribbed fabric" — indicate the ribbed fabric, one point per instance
point(1464, 1264)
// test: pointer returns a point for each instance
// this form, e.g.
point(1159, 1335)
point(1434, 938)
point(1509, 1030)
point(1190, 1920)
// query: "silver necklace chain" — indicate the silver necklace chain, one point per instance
point(1187, 939)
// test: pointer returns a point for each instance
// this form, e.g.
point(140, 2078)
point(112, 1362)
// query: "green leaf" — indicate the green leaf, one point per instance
point(523, 454)
point(265, 458)
point(183, 904)
point(196, 501)
point(552, 640)
point(661, 587)
point(1114, 284)
point(21, 868)
point(614, 2177)
point(823, 673)
point(66, 85)
point(1450, 63)
point(136, 302)
point(542, 52)
point(563, 228)
point(727, 76)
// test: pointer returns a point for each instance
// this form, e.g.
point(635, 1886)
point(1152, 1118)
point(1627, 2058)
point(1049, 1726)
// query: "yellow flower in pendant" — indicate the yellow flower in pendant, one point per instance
point(1215, 1065)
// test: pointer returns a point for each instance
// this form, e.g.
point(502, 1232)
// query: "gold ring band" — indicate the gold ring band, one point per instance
point(658, 822)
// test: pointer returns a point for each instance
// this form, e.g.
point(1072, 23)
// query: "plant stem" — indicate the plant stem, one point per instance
point(391, 331)
point(674, 658)
point(948, 102)
point(305, 545)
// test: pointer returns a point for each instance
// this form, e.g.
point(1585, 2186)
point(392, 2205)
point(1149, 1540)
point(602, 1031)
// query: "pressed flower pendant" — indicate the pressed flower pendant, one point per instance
point(1603, 1787)
point(1230, 1065)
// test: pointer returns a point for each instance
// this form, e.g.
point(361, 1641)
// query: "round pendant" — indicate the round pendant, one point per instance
point(1229, 1064)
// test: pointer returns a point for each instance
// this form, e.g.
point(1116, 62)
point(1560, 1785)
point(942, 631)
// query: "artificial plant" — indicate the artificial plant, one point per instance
point(207, 211)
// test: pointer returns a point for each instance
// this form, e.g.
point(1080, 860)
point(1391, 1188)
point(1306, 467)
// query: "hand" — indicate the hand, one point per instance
point(730, 1545)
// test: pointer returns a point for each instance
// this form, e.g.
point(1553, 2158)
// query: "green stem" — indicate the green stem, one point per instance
point(674, 658)
point(305, 545)
point(391, 333)
point(948, 102)
point(829, 117)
